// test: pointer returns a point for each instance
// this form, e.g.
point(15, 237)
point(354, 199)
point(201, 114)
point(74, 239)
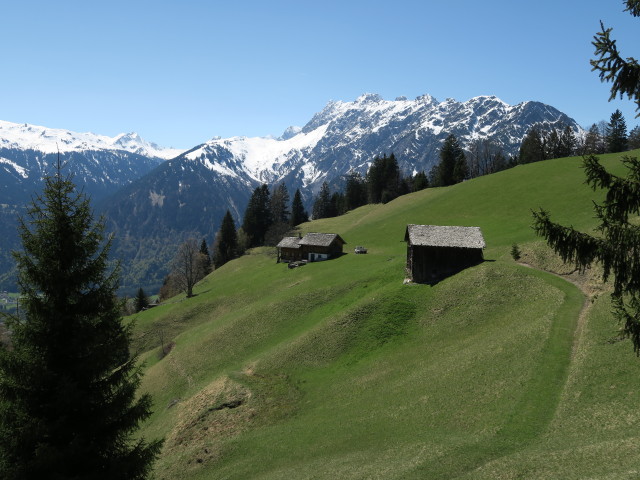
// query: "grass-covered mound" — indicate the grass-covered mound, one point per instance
point(338, 370)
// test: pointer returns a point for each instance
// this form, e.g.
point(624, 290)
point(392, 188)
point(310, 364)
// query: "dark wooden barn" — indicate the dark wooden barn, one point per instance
point(435, 252)
point(321, 246)
point(312, 247)
point(289, 250)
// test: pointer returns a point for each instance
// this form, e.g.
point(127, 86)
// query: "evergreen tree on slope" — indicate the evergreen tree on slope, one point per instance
point(617, 247)
point(322, 204)
point(633, 141)
point(69, 407)
point(257, 217)
point(206, 257)
point(452, 167)
point(298, 213)
point(227, 242)
point(616, 133)
point(141, 300)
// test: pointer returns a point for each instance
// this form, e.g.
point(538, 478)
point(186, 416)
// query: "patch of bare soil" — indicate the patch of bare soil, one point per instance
point(217, 412)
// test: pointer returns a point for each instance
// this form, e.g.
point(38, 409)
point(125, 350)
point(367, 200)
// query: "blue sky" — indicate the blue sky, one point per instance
point(179, 73)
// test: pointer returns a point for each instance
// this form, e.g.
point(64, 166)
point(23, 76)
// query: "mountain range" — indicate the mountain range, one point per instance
point(153, 197)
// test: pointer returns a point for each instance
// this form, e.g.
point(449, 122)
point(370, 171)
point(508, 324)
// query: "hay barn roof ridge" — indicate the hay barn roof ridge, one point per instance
point(444, 236)
point(289, 242)
point(319, 239)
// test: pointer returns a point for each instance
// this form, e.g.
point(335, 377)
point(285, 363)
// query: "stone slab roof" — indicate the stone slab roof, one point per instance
point(443, 236)
point(289, 242)
point(320, 239)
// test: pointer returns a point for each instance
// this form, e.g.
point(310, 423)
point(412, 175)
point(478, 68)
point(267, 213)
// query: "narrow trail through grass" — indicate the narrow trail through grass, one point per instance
point(586, 305)
point(537, 406)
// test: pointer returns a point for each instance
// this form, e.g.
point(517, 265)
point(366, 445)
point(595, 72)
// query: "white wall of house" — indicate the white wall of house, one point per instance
point(317, 257)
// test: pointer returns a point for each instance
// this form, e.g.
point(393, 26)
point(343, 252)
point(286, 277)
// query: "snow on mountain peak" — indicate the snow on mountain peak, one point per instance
point(53, 140)
point(369, 98)
point(291, 131)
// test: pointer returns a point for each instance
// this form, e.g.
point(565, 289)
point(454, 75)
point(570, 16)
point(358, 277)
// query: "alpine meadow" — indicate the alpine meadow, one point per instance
point(399, 289)
point(338, 370)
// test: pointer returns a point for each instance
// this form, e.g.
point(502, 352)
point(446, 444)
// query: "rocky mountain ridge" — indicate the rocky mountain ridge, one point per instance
point(152, 204)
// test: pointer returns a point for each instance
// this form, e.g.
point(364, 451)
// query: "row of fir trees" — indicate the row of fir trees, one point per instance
point(384, 180)
point(542, 143)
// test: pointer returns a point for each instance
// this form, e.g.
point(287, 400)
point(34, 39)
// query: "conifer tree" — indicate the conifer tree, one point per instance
point(375, 180)
point(616, 245)
point(551, 142)
point(452, 166)
point(568, 142)
point(141, 300)
point(355, 192)
point(298, 213)
point(532, 148)
point(623, 73)
point(322, 204)
point(69, 407)
point(383, 179)
point(336, 205)
point(206, 257)
point(419, 182)
point(257, 216)
point(616, 133)
point(592, 141)
point(633, 141)
point(227, 241)
point(279, 204)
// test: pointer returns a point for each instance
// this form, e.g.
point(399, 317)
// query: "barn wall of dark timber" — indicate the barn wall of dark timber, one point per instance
point(334, 249)
point(427, 264)
point(290, 254)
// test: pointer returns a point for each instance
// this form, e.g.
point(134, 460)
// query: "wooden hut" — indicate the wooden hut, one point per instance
point(321, 246)
point(289, 250)
point(434, 252)
point(312, 247)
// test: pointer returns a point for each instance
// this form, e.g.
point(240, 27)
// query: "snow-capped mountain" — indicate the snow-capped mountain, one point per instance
point(101, 165)
point(189, 195)
point(347, 135)
point(151, 204)
point(53, 140)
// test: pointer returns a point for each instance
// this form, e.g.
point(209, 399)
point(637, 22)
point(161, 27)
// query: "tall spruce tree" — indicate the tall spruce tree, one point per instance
point(452, 166)
point(279, 204)
point(616, 133)
point(355, 192)
point(257, 216)
point(568, 142)
point(616, 247)
point(633, 141)
point(322, 204)
point(227, 241)
point(298, 213)
point(532, 148)
point(383, 179)
point(141, 300)
point(419, 182)
point(206, 257)
point(69, 408)
point(592, 141)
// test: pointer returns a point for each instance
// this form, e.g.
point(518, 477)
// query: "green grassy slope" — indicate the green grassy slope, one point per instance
point(338, 370)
